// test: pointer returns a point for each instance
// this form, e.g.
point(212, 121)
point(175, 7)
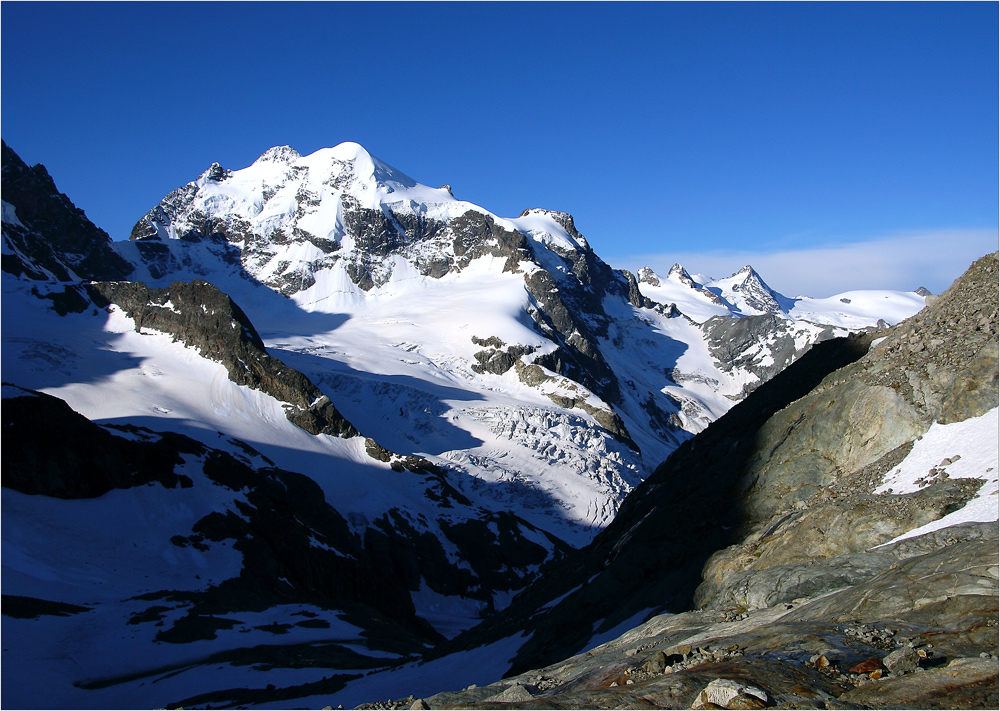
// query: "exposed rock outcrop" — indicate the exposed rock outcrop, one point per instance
point(49, 236)
point(763, 345)
point(51, 450)
point(921, 633)
point(202, 317)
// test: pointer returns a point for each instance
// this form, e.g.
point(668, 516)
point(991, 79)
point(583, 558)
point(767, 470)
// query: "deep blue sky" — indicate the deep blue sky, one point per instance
point(714, 132)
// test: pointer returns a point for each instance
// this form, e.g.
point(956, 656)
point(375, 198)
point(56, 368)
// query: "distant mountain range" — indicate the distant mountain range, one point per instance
point(314, 419)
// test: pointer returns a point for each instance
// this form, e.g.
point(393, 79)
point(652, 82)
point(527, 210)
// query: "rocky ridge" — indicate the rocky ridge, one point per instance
point(783, 532)
point(201, 316)
point(48, 237)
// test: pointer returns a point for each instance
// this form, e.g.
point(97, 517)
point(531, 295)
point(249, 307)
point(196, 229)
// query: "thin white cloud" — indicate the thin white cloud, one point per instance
point(933, 259)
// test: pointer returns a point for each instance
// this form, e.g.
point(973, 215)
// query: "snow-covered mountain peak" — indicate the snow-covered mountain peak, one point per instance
point(680, 275)
point(648, 276)
point(366, 168)
point(279, 154)
point(751, 277)
point(679, 272)
point(214, 173)
point(748, 293)
point(564, 219)
point(552, 228)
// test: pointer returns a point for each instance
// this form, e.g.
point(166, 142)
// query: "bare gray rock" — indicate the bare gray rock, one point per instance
point(514, 693)
point(901, 660)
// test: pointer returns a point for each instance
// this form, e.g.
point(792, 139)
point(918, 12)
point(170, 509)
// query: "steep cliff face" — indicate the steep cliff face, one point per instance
point(46, 235)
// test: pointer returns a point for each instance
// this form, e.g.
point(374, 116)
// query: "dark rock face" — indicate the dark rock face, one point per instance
point(51, 450)
point(373, 229)
point(757, 294)
point(72, 298)
point(477, 235)
point(568, 309)
point(56, 240)
point(648, 276)
point(732, 341)
point(775, 502)
point(634, 296)
point(578, 356)
point(203, 317)
point(495, 358)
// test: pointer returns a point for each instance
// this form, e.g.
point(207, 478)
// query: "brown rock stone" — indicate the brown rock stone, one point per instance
point(867, 667)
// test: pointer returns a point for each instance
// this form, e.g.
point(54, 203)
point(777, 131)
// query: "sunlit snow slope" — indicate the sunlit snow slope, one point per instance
point(400, 287)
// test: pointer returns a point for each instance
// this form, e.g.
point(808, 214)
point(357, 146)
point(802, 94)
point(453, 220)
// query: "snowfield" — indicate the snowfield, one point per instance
point(963, 450)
